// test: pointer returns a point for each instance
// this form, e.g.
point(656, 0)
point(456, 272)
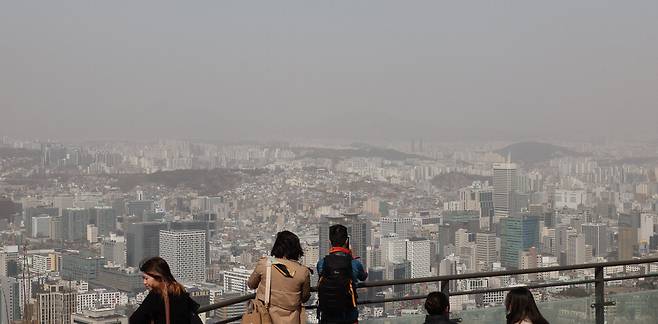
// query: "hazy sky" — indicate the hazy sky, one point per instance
point(362, 70)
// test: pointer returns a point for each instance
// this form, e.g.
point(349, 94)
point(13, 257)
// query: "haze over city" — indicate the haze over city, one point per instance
point(356, 71)
point(471, 149)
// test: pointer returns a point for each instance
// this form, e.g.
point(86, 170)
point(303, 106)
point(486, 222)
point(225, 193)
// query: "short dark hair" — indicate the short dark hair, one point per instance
point(287, 246)
point(338, 235)
point(436, 303)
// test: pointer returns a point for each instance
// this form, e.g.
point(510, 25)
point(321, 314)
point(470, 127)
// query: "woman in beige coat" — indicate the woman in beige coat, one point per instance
point(291, 281)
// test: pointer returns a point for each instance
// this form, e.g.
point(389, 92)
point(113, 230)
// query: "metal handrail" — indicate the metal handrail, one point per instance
point(444, 279)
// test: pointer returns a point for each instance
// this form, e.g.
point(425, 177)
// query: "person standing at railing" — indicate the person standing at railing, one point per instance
point(339, 272)
point(290, 285)
point(167, 301)
point(437, 306)
point(521, 307)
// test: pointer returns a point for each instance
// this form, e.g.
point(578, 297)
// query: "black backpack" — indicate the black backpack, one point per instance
point(336, 291)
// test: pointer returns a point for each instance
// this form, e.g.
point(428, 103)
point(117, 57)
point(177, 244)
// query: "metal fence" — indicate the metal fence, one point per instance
point(599, 281)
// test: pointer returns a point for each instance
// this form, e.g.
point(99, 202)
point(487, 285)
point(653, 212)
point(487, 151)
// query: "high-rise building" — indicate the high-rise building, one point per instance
point(446, 238)
point(461, 238)
point(44, 263)
point(418, 251)
point(630, 220)
point(358, 230)
point(448, 267)
point(8, 260)
point(504, 189)
point(55, 304)
point(486, 255)
point(236, 280)
point(403, 227)
point(143, 241)
point(81, 266)
point(105, 219)
point(98, 298)
point(185, 251)
point(10, 303)
point(41, 226)
point(401, 270)
point(596, 235)
point(576, 249)
point(375, 274)
point(38, 211)
point(646, 229)
point(123, 279)
point(8, 208)
point(74, 222)
point(627, 242)
point(113, 249)
point(92, 233)
point(57, 228)
point(529, 260)
point(394, 249)
point(473, 196)
point(518, 233)
point(140, 208)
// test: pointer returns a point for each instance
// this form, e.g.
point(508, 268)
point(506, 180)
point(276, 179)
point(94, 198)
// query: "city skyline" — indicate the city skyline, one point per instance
point(503, 145)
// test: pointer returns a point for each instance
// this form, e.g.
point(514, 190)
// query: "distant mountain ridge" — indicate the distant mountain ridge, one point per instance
point(534, 152)
point(356, 150)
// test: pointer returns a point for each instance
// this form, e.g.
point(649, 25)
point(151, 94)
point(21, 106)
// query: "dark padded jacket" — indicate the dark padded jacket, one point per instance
point(182, 310)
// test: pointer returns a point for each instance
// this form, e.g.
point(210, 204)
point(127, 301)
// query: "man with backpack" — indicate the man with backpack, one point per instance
point(339, 272)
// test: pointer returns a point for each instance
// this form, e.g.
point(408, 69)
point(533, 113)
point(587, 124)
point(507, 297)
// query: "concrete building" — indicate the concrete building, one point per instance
point(418, 251)
point(185, 251)
point(74, 222)
point(40, 226)
point(236, 280)
point(403, 227)
point(113, 249)
point(596, 235)
point(55, 304)
point(143, 241)
point(485, 251)
point(81, 266)
point(504, 189)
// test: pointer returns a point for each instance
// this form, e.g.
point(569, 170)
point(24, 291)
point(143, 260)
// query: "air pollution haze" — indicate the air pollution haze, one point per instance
point(367, 70)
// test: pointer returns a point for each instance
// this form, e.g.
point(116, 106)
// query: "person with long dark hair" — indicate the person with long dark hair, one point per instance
point(167, 301)
point(521, 307)
point(290, 284)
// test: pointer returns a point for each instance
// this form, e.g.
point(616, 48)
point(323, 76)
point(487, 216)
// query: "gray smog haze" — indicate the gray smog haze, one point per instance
point(362, 70)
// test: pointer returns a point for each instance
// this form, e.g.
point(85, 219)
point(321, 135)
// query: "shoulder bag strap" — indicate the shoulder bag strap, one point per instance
point(268, 281)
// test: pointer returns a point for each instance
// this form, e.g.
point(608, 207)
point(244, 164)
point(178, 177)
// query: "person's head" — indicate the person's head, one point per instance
point(437, 303)
point(338, 235)
point(287, 246)
point(157, 276)
point(520, 304)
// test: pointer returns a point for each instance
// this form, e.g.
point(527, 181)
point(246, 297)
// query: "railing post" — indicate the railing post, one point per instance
point(599, 295)
point(445, 287)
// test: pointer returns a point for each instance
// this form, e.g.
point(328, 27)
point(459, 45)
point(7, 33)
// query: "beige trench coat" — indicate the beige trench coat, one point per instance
point(287, 294)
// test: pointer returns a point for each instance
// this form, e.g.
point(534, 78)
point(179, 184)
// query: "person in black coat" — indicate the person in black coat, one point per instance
point(437, 306)
point(167, 301)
